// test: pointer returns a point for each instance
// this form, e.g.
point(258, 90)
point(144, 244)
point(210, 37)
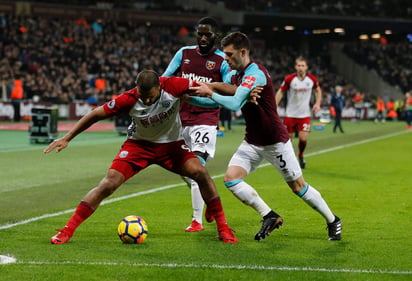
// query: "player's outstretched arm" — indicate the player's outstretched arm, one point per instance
point(222, 88)
point(84, 123)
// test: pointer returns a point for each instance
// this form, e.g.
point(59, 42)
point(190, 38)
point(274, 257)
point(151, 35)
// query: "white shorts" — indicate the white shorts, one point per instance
point(280, 155)
point(201, 138)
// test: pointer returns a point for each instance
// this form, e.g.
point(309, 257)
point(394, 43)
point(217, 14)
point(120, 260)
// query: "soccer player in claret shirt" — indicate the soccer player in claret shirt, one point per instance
point(154, 137)
point(266, 138)
point(204, 63)
point(298, 87)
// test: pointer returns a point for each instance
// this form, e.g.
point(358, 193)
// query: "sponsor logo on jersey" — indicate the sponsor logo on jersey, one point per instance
point(123, 154)
point(111, 104)
point(186, 61)
point(210, 65)
point(248, 82)
point(197, 78)
point(158, 118)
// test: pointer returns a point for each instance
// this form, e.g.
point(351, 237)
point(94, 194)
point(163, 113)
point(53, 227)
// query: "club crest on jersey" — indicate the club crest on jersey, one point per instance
point(166, 104)
point(111, 104)
point(210, 65)
point(123, 154)
point(248, 82)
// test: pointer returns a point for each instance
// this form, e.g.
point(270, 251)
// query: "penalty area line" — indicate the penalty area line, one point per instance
point(220, 266)
point(116, 199)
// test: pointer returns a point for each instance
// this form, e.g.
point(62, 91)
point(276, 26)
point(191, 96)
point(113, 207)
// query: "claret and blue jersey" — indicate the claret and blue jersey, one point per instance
point(263, 124)
point(189, 63)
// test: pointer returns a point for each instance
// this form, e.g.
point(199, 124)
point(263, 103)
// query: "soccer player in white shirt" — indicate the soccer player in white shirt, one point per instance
point(153, 137)
point(298, 87)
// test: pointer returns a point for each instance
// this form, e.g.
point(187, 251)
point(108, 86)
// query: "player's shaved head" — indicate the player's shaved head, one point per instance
point(146, 80)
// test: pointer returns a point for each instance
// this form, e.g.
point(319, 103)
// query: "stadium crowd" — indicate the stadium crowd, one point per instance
point(347, 8)
point(353, 8)
point(61, 60)
point(392, 61)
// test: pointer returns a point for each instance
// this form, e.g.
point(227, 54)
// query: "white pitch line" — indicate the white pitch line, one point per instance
point(219, 266)
point(116, 199)
point(7, 259)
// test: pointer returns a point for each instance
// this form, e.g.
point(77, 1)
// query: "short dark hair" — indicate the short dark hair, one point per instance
point(210, 21)
point(238, 39)
point(301, 58)
point(146, 80)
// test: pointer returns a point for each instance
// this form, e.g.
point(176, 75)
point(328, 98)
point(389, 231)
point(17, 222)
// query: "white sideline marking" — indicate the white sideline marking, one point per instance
point(6, 259)
point(219, 266)
point(109, 201)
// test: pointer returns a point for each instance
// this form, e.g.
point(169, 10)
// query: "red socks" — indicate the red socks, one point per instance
point(215, 208)
point(301, 146)
point(83, 211)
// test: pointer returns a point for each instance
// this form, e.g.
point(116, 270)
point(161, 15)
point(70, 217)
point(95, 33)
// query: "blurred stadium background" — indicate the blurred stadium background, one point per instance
point(76, 55)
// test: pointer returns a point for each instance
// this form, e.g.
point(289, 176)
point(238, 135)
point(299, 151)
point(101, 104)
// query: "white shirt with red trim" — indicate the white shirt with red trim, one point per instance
point(298, 93)
point(158, 122)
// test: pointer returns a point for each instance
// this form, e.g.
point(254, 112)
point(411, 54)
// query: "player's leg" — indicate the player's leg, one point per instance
point(130, 156)
point(245, 160)
point(202, 141)
point(197, 204)
point(286, 160)
point(301, 147)
point(89, 204)
point(304, 129)
point(314, 199)
point(195, 170)
point(184, 162)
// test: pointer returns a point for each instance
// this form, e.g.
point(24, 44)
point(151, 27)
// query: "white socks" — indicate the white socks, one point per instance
point(197, 202)
point(314, 199)
point(248, 195)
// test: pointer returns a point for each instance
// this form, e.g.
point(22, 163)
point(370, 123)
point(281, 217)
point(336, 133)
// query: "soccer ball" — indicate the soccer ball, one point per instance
point(132, 230)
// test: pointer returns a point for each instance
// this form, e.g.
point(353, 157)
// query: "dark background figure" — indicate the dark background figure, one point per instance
point(338, 103)
point(226, 118)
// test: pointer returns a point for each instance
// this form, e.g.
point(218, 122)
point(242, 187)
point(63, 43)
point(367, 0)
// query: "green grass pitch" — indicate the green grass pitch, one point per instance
point(364, 175)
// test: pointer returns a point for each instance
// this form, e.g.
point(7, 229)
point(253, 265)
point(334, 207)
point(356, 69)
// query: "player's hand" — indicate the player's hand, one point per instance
point(58, 144)
point(202, 90)
point(316, 108)
point(254, 95)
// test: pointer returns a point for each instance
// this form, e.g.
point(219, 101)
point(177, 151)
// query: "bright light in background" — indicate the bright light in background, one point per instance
point(289, 27)
point(321, 31)
point(339, 30)
point(388, 31)
point(258, 29)
point(363, 37)
point(376, 36)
